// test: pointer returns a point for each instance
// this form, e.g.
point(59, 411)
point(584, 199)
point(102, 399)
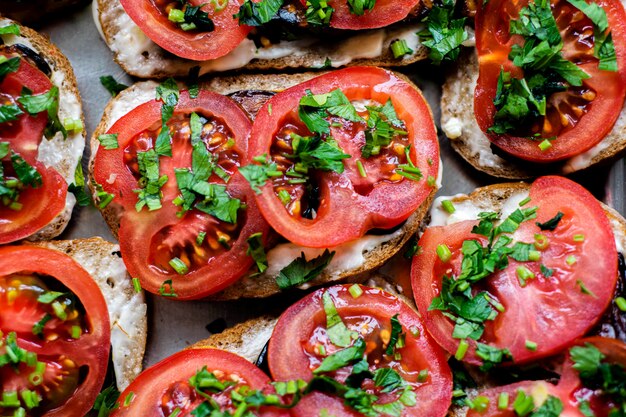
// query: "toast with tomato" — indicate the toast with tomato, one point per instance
point(41, 136)
point(68, 310)
point(394, 178)
point(515, 110)
point(159, 39)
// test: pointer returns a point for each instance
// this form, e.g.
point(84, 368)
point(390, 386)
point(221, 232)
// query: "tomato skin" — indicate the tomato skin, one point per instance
point(534, 312)
point(344, 214)
point(493, 44)
point(43, 204)
point(92, 349)
point(384, 13)
point(138, 229)
point(288, 361)
point(151, 384)
point(197, 46)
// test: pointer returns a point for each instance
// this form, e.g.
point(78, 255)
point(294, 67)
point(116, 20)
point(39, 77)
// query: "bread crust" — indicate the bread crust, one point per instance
point(313, 55)
point(102, 261)
point(263, 285)
point(457, 102)
point(63, 77)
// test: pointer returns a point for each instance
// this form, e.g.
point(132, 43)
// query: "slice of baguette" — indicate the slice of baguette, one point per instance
point(460, 126)
point(63, 155)
point(127, 308)
point(352, 260)
point(141, 57)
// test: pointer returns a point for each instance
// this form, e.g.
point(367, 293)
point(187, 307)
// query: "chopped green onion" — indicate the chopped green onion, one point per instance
point(571, 260)
point(448, 206)
point(541, 242)
point(284, 196)
point(400, 48)
point(503, 401)
point(31, 398)
point(422, 376)
point(76, 332)
point(579, 238)
point(59, 310)
point(461, 350)
point(524, 202)
point(545, 145)
point(480, 403)
point(175, 413)
point(73, 125)
point(532, 346)
point(136, 285)
point(179, 266)
point(415, 331)
point(355, 291)
point(458, 393)
point(200, 238)
point(129, 398)
point(10, 399)
point(534, 255)
point(176, 16)
point(321, 349)
point(620, 302)
point(444, 253)
point(584, 289)
point(431, 181)
point(361, 169)
point(524, 274)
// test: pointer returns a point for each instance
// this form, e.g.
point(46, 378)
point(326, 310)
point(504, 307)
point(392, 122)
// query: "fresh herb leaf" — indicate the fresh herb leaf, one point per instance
point(257, 175)
point(25, 172)
point(301, 271)
point(342, 358)
point(552, 223)
point(9, 66)
point(257, 251)
point(318, 12)
point(150, 182)
point(168, 93)
point(258, 14)
point(48, 102)
point(396, 334)
point(38, 327)
point(77, 188)
point(551, 407)
point(111, 85)
point(546, 272)
point(109, 141)
point(317, 153)
point(388, 379)
point(106, 401)
point(491, 355)
point(337, 331)
point(444, 34)
point(382, 125)
point(9, 113)
point(359, 7)
point(11, 29)
point(314, 109)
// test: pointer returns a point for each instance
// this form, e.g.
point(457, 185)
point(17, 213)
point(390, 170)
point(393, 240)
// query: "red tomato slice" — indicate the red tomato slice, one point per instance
point(552, 312)
point(75, 363)
point(569, 389)
point(591, 110)
point(349, 205)
point(149, 240)
point(384, 13)
point(152, 18)
point(39, 205)
point(165, 387)
point(294, 353)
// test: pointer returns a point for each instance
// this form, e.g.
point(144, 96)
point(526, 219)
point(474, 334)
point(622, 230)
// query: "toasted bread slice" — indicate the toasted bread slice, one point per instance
point(141, 57)
point(63, 155)
point(127, 308)
point(351, 260)
point(459, 124)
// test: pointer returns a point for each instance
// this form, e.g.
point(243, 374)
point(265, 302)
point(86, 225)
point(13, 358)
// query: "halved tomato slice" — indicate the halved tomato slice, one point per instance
point(331, 208)
point(542, 304)
point(384, 13)
point(302, 342)
point(576, 119)
point(184, 254)
point(55, 332)
point(197, 42)
point(37, 204)
point(205, 379)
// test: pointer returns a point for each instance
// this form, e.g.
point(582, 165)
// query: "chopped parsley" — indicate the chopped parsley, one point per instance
point(336, 330)
point(106, 401)
point(552, 223)
point(45, 102)
point(258, 175)
point(257, 251)
point(444, 34)
point(301, 271)
point(25, 176)
point(8, 66)
point(78, 187)
point(111, 85)
point(259, 13)
point(168, 93)
point(191, 17)
point(382, 125)
point(359, 7)
point(9, 113)
point(150, 183)
point(109, 141)
point(314, 109)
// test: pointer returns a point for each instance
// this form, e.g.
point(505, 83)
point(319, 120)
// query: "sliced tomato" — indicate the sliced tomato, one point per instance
point(384, 13)
point(580, 117)
point(152, 18)
point(348, 204)
point(73, 345)
point(549, 311)
point(300, 337)
point(569, 390)
point(150, 240)
point(165, 387)
point(39, 206)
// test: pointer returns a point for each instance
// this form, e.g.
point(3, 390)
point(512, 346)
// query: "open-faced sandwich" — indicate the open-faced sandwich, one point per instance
point(41, 136)
point(544, 91)
point(67, 307)
point(157, 39)
point(330, 180)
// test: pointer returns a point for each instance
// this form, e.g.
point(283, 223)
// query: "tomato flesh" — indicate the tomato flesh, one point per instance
point(345, 206)
point(212, 251)
point(152, 18)
point(300, 343)
point(55, 332)
point(35, 207)
point(584, 275)
point(571, 114)
point(165, 388)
